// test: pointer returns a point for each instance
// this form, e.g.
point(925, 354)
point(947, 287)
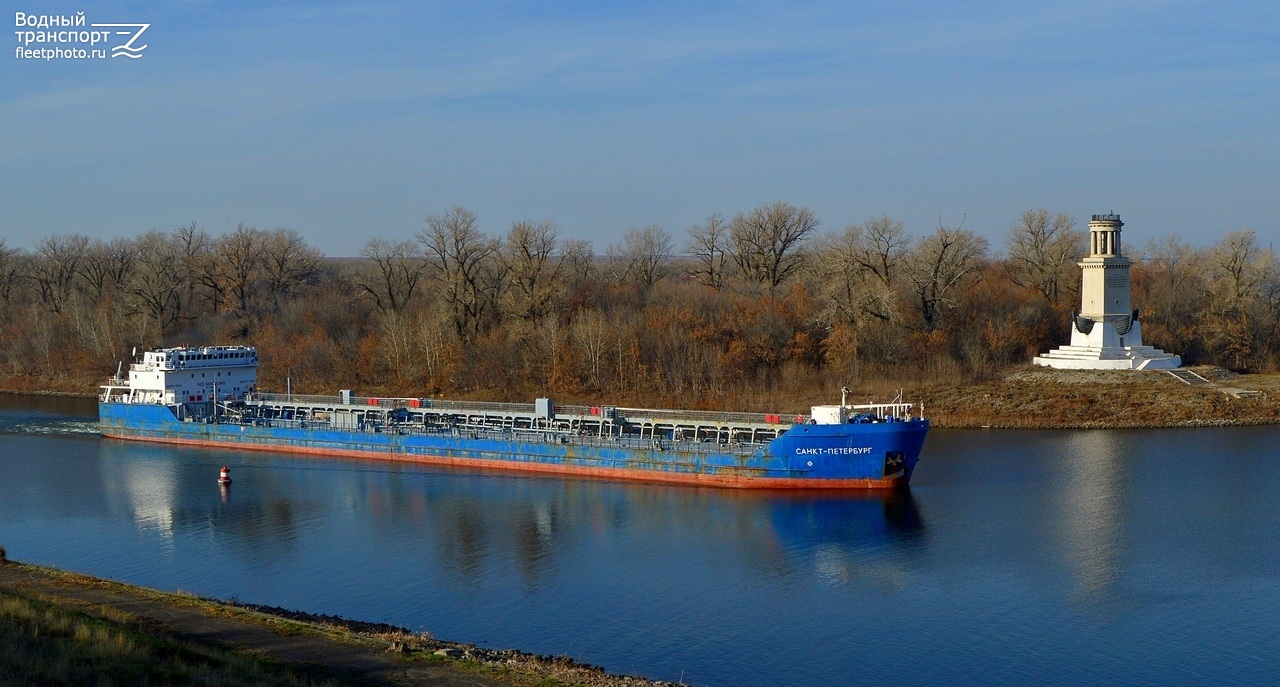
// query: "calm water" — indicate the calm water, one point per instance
point(1136, 557)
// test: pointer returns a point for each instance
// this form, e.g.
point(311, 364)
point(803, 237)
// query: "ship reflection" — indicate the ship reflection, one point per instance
point(481, 531)
point(853, 539)
point(478, 527)
point(150, 491)
point(174, 492)
point(856, 519)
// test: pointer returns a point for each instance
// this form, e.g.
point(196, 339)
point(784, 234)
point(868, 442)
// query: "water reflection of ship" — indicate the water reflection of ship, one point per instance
point(859, 519)
point(475, 524)
point(161, 493)
point(481, 525)
point(858, 539)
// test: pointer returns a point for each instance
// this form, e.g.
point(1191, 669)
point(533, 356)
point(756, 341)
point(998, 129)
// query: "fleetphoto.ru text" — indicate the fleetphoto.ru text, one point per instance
point(71, 37)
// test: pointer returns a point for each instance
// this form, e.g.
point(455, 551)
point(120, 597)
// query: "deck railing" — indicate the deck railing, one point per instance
point(667, 416)
point(528, 435)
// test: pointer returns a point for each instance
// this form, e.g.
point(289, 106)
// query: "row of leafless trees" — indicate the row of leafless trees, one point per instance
point(749, 307)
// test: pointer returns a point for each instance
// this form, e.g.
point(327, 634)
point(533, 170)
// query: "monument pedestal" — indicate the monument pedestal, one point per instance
point(1108, 358)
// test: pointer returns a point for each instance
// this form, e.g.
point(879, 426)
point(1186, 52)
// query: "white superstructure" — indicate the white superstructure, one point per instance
point(1106, 334)
point(187, 375)
point(839, 415)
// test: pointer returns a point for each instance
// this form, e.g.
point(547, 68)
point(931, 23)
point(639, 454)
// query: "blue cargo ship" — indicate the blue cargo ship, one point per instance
point(208, 397)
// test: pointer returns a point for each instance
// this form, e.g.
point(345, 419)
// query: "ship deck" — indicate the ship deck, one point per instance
point(434, 416)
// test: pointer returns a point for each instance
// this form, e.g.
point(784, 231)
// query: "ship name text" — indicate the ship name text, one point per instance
point(834, 451)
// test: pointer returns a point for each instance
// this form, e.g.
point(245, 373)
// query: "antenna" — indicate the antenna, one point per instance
point(119, 367)
point(135, 352)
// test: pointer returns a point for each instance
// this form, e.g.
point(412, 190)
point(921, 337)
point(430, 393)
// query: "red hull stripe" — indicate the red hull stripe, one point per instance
point(736, 481)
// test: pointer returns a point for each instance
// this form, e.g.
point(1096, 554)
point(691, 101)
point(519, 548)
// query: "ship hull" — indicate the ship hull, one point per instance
point(846, 456)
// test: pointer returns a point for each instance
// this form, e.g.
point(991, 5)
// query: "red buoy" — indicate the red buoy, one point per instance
point(224, 477)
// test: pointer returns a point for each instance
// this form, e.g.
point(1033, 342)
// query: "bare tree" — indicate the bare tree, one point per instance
point(579, 260)
point(55, 267)
point(709, 246)
point(157, 281)
point(591, 333)
point(534, 267)
point(106, 267)
point(462, 259)
point(937, 267)
point(766, 243)
point(434, 344)
point(240, 262)
point(397, 270)
point(11, 261)
point(1175, 257)
point(643, 256)
point(879, 246)
point(199, 269)
point(288, 262)
point(859, 268)
point(849, 291)
point(1042, 252)
point(1175, 291)
point(1238, 269)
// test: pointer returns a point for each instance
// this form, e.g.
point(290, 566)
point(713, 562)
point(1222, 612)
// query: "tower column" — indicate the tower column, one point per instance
point(1106, 334)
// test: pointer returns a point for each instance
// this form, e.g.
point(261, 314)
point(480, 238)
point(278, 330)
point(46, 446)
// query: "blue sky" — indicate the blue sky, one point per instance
point(351, 120)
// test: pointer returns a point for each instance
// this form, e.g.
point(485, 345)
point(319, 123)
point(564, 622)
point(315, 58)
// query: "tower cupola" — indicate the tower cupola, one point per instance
point(1104, 235)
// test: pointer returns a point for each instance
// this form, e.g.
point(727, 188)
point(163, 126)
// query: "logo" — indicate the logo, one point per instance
point(127, 49)
point(69, 37)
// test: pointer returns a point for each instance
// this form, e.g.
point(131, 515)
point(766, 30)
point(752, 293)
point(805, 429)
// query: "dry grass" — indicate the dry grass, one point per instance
point(1041, 398)
point(46, 644)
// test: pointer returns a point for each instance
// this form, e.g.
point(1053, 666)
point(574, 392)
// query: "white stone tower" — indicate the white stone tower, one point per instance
point(1106, 335)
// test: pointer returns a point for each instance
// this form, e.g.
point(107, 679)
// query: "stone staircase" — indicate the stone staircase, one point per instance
point(1187, 376)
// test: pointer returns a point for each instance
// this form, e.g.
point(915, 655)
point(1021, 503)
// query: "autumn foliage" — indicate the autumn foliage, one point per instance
point(766, 310)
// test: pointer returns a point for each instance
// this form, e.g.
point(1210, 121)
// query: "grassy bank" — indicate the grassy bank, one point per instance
point(59, 628)
point(47, 643)
point(1037, 398)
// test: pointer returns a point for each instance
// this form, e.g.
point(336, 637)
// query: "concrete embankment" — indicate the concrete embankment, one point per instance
point(109, 626)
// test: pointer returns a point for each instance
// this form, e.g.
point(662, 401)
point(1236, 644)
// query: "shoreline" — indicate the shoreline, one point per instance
point(1029, 397)
point(1041, 398)
point(315, 646)
point(47, 392)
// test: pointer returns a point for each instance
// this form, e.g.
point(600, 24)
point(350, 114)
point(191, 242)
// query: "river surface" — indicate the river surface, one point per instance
point(1049, 557)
